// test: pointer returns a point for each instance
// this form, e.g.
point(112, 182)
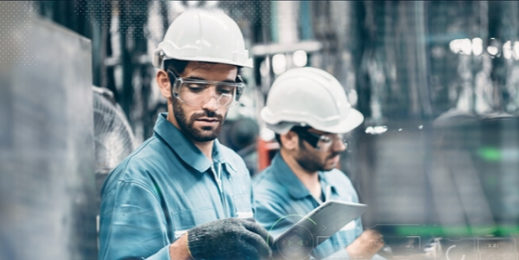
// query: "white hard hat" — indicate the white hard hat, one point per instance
point(203, 35)
point(309, 97)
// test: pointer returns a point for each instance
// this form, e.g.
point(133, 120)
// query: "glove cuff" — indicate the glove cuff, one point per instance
point(195, 245)
point(188, 249)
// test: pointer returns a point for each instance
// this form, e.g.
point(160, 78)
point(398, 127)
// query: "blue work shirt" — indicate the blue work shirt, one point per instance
point(166, 187)
point(281, 199)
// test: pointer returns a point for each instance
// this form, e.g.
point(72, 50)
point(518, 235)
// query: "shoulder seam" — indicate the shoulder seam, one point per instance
point(141, 185)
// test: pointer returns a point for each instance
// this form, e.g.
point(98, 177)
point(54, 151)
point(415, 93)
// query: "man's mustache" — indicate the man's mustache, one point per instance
point(333, 155)
point(207, 114)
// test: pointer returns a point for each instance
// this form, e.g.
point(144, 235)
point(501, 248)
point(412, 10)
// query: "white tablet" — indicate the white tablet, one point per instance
point(317, 226)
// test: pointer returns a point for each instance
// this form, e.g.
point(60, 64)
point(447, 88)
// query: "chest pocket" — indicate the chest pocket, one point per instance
point(197, 210)
point(240, 194)
point(242, 205)
point(182, 221)
point(187, 219)
point(241, 200)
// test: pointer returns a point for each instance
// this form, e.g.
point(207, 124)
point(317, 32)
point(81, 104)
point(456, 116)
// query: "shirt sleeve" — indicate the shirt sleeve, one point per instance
point(132, 224)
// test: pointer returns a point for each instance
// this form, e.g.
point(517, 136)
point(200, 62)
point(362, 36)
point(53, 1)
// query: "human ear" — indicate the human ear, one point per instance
point(290, 140)
point(164, 84)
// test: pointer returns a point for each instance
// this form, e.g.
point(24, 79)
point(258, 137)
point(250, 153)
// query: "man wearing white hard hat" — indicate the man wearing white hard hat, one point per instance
point(309, 112)
point(182, 194)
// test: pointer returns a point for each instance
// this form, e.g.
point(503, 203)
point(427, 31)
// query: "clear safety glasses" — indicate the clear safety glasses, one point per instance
point(321, 142)
point(198, 92)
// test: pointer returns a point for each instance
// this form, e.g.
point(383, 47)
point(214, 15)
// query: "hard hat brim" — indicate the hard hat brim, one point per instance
point(352, 120)
point(247, 63)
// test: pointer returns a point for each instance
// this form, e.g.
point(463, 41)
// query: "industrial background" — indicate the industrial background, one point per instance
point(436, 160)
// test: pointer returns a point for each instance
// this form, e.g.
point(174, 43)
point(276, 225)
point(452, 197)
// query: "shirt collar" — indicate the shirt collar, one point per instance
point(326, 183)
point(219, 156)
point(287, 177)
point(185, 148)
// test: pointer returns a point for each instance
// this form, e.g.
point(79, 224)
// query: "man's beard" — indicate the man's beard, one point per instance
point(312, 163)
point(204, 134)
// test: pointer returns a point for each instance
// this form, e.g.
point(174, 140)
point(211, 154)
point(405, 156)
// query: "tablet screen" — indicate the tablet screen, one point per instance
point(316, 227)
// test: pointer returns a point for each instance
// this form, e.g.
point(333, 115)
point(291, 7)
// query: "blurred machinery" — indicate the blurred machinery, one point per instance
point(47, 188)
point(113, 137)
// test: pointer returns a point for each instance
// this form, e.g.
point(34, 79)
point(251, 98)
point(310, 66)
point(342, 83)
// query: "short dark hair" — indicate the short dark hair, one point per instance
point(294, 129)
point(177, 66)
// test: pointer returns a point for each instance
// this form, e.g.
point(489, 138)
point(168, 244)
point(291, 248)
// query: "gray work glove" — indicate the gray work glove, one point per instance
point(231, 238)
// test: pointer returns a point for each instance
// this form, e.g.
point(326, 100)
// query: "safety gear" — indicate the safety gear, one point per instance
point(197, 92)
point(203, 35)
point(322, 142)
point(309, 97)
point(231, 238)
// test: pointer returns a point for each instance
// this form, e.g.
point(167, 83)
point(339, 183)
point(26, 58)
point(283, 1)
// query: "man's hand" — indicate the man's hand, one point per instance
point(178, 250)
point(366, 245)
point(229, 239)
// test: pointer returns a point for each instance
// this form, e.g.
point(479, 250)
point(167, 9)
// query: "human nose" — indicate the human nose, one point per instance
point(338, 144)
point(211, 101)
